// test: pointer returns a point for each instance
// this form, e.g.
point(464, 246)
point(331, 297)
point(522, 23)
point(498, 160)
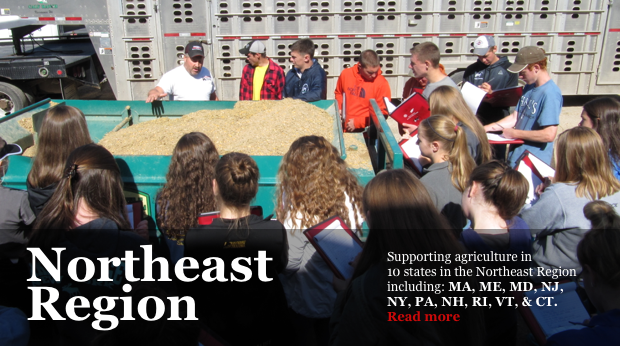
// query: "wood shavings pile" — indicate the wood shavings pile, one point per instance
point(27, 124)
point(251, 127)
point(357, 158)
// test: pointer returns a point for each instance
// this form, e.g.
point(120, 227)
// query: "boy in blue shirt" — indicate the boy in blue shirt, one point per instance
point(537, 115)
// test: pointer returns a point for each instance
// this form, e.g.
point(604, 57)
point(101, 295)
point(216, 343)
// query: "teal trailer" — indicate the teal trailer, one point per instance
point(143, 176)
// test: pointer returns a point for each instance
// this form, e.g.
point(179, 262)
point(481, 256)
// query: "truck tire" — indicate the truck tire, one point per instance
point(12, 99)
point(457, 77)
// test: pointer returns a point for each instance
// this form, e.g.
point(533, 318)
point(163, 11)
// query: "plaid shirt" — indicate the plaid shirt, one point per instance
point(272, 85)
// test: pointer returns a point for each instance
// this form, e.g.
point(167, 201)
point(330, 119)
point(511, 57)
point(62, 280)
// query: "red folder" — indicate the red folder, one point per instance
point(539, 171)
point(504, 97)
point(136, 214)
point(412, 110)
point(537, 165)
point(335, 257)
point(207, 218)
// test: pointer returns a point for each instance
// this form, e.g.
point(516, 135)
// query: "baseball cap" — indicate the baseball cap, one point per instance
point(194, 48)
point(253, 47)
point(8, 149)
point(527, 55)
point(482, 44)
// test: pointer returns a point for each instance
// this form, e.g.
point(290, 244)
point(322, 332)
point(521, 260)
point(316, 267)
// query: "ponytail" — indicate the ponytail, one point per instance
point(92, 176)
point(57, 215)
point(441, 128)
point(460, 160)
point(502, 186)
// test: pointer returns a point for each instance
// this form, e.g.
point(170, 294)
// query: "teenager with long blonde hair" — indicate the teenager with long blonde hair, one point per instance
point(447, 100)
point(63, 129)
point(314, 184)
point(445, 144)
point(582, 174)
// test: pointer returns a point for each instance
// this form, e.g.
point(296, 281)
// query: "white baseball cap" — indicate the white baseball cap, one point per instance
point(482, 44)
point(253, 47)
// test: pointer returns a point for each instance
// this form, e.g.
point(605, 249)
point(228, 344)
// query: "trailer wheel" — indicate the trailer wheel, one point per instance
point(12, 99)
point(458, 78)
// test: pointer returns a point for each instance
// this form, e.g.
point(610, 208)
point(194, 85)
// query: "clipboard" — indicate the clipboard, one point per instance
point(535, 171)
point(411, 152)
point(507, 97)
point(134, 212)
point(207, 218)
point(412, 110)
point(336, 244)
point(535, 319)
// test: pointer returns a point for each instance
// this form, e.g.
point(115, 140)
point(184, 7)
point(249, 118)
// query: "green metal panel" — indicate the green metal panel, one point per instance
point(388, 148)
point(147, 174)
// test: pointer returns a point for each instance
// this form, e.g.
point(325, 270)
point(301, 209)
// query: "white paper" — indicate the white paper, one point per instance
point(532, 180)
point(498, 138)
point(130, 214)
point(390, 106)
point(339, 247)
point(544, 169)
point(412, 149)
point(472, 95)
point(566, 307)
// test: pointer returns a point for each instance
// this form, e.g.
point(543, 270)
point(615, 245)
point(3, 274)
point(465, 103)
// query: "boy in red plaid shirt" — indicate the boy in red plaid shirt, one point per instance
point(262, 78)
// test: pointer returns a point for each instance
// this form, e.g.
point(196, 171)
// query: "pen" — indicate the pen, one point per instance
point(577, 323)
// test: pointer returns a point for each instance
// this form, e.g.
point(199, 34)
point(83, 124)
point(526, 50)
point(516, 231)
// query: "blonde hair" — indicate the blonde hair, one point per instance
point(448, 100)
point(440, 128)
point(313, 181)
point(581, 158)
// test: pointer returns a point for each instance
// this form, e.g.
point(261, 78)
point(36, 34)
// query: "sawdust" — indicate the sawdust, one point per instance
point(251, 127)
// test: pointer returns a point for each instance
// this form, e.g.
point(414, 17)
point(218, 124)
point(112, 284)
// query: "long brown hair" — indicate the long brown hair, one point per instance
point(502, 186)
point(313, 180)
point(91, 175)
point(605, 115)
point(448, 100)
point(580, 158)
point(398, 210)
point(403, 220)
point(440, 128)
point(63, 129)
point(191, 173)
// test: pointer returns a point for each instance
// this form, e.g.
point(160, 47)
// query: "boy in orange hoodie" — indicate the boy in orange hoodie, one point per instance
point(360, 83)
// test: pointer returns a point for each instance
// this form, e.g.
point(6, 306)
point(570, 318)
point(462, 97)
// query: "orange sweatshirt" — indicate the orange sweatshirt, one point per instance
point(358, 93)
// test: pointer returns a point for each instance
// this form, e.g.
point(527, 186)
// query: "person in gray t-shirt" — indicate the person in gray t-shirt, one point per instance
point(425, 63)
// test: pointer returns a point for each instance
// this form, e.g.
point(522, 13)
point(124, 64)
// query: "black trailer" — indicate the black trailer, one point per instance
point(35, 68)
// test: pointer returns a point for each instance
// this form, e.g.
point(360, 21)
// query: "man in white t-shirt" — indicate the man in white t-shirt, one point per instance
point(189, 82)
